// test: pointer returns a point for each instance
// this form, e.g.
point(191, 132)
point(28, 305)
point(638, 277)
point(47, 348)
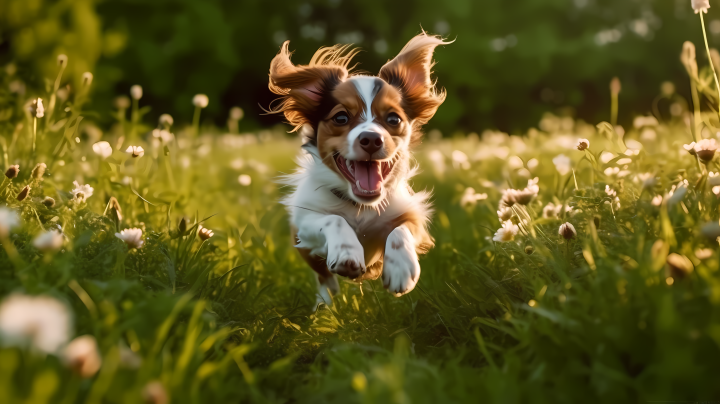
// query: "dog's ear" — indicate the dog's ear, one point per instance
point(410, 73)
point(305, 88)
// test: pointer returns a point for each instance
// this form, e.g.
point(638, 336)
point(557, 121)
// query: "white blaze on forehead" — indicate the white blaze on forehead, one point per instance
point(367, 88)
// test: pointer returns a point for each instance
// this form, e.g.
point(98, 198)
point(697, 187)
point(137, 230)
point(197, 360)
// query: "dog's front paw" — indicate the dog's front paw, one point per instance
point(346, 259)
point(401, 269)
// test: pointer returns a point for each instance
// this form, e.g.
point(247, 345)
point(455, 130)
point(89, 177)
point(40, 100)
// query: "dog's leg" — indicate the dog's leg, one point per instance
point(401, 269)
point(327, 287)
point(330, 236)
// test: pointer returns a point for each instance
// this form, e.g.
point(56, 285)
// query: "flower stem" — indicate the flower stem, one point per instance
point(614, 109)
point(707, 49)
point(196, 122)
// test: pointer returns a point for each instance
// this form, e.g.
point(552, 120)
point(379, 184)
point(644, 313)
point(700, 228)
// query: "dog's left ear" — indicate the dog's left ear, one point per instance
point(410, 73)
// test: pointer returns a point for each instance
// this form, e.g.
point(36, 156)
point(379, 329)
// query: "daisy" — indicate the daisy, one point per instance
point(81, 192)
point(50, 240)
point(506, 233)
point(135, 151)
point(41, 321)
point(131, 237)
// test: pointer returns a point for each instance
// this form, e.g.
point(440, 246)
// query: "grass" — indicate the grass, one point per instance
point(600, 317)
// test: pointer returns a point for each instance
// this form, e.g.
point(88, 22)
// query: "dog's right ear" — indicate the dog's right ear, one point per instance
point(305, 89)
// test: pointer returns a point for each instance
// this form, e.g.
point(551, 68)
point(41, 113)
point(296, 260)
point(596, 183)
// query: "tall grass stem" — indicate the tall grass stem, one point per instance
point(712, 66)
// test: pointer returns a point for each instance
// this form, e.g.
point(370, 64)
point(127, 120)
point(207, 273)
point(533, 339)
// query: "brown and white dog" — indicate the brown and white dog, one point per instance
point(352, 210)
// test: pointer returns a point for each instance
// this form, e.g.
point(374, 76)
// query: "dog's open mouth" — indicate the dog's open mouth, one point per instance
point(366, 177)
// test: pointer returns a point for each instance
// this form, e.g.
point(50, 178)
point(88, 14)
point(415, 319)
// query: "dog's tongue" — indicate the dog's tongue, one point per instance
point(368, 175)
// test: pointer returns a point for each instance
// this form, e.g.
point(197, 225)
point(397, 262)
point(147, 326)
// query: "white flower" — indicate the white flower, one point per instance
point(582, 144)
point(163, 134)
point(136, 92)
point(8, 220)
point(82, 192)
point(623, 162)
point(62, 59)
point(135, 151)
point(562, 164)
point(460, 159)
point(716, 190)
point(567, 230)
point(201, 100)
point(648, 180)
point(690, 148)
point(244, 180)
point(611, 171)
point(82, 356)
point(506, 233)
point(713, 179)
point(204, 233)
point(549, 211)
point(532, 163)
point(657, 200)
point(642, 121)
point(50, 240)
point(41, 321)
point(102, 149)
point(39, 108)
point(470, 198)
point(677, 194)
point(700, 6)
point(504, 213)
point(166, 120)
point(605, 157)
point(131, 237)
point(609, 191)
point(706, 149)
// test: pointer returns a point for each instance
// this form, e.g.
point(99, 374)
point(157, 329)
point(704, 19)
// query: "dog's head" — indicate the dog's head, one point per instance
point(362, 125)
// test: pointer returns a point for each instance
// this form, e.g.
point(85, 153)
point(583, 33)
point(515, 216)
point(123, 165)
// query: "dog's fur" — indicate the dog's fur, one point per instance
point(341, 227)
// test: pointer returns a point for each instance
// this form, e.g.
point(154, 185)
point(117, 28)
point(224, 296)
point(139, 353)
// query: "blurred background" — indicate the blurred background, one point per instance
point(512, 61)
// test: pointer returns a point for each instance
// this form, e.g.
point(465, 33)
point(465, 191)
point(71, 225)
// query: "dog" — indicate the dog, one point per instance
point(352, 210)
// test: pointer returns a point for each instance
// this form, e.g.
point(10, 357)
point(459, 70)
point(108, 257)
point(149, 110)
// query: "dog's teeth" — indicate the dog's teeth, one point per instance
point(348, 165)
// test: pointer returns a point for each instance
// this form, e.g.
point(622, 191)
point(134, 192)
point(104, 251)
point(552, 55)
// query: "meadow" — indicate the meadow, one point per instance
point(152, 262)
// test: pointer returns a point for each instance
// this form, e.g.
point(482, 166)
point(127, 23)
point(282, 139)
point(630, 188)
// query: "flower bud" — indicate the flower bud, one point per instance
point(24, 193)
point(154, 393)
point(236, 113)
point(87, 79)
point(200, 101)
point(82, 356)
point(37, 110)
point(136, 92)
point(529, 249)
point(122, 102)
point(49, 202)
point(582, 144)
point(182, 226)
point(12, 171)
point(204, 233)
point(615, 86)
point(567, 230)
point(679, 266)
point(166, 121)
point(62, 60)
point(114, 209)
point(38, 172)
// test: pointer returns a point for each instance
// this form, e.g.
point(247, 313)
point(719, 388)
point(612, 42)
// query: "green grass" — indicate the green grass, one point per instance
point(232, 319)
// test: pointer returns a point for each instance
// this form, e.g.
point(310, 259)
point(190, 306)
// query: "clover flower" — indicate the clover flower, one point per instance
point(136, 92)
point(48, 241)
point(12, 171)
point(81, 192)
point(582, 144)
point(81, 355)
point(102, 149)
point(700, 6)
point(562, 164)
point(706, 149)
point(506, 233)
point(205, 233)
point(9, 219)
point(131, 237)
point(42, 322)
point(567, 230)
point(200, 101)
point(135, 151)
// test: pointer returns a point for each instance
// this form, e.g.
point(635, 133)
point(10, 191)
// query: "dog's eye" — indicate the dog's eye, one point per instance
point(393, 119)
point(341, 118)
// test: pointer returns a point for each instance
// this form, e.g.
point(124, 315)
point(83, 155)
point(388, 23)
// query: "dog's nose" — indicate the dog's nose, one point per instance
point(371, 142)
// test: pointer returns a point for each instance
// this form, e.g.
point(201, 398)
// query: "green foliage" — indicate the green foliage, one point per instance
point(508, 66)
point(599, 317)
